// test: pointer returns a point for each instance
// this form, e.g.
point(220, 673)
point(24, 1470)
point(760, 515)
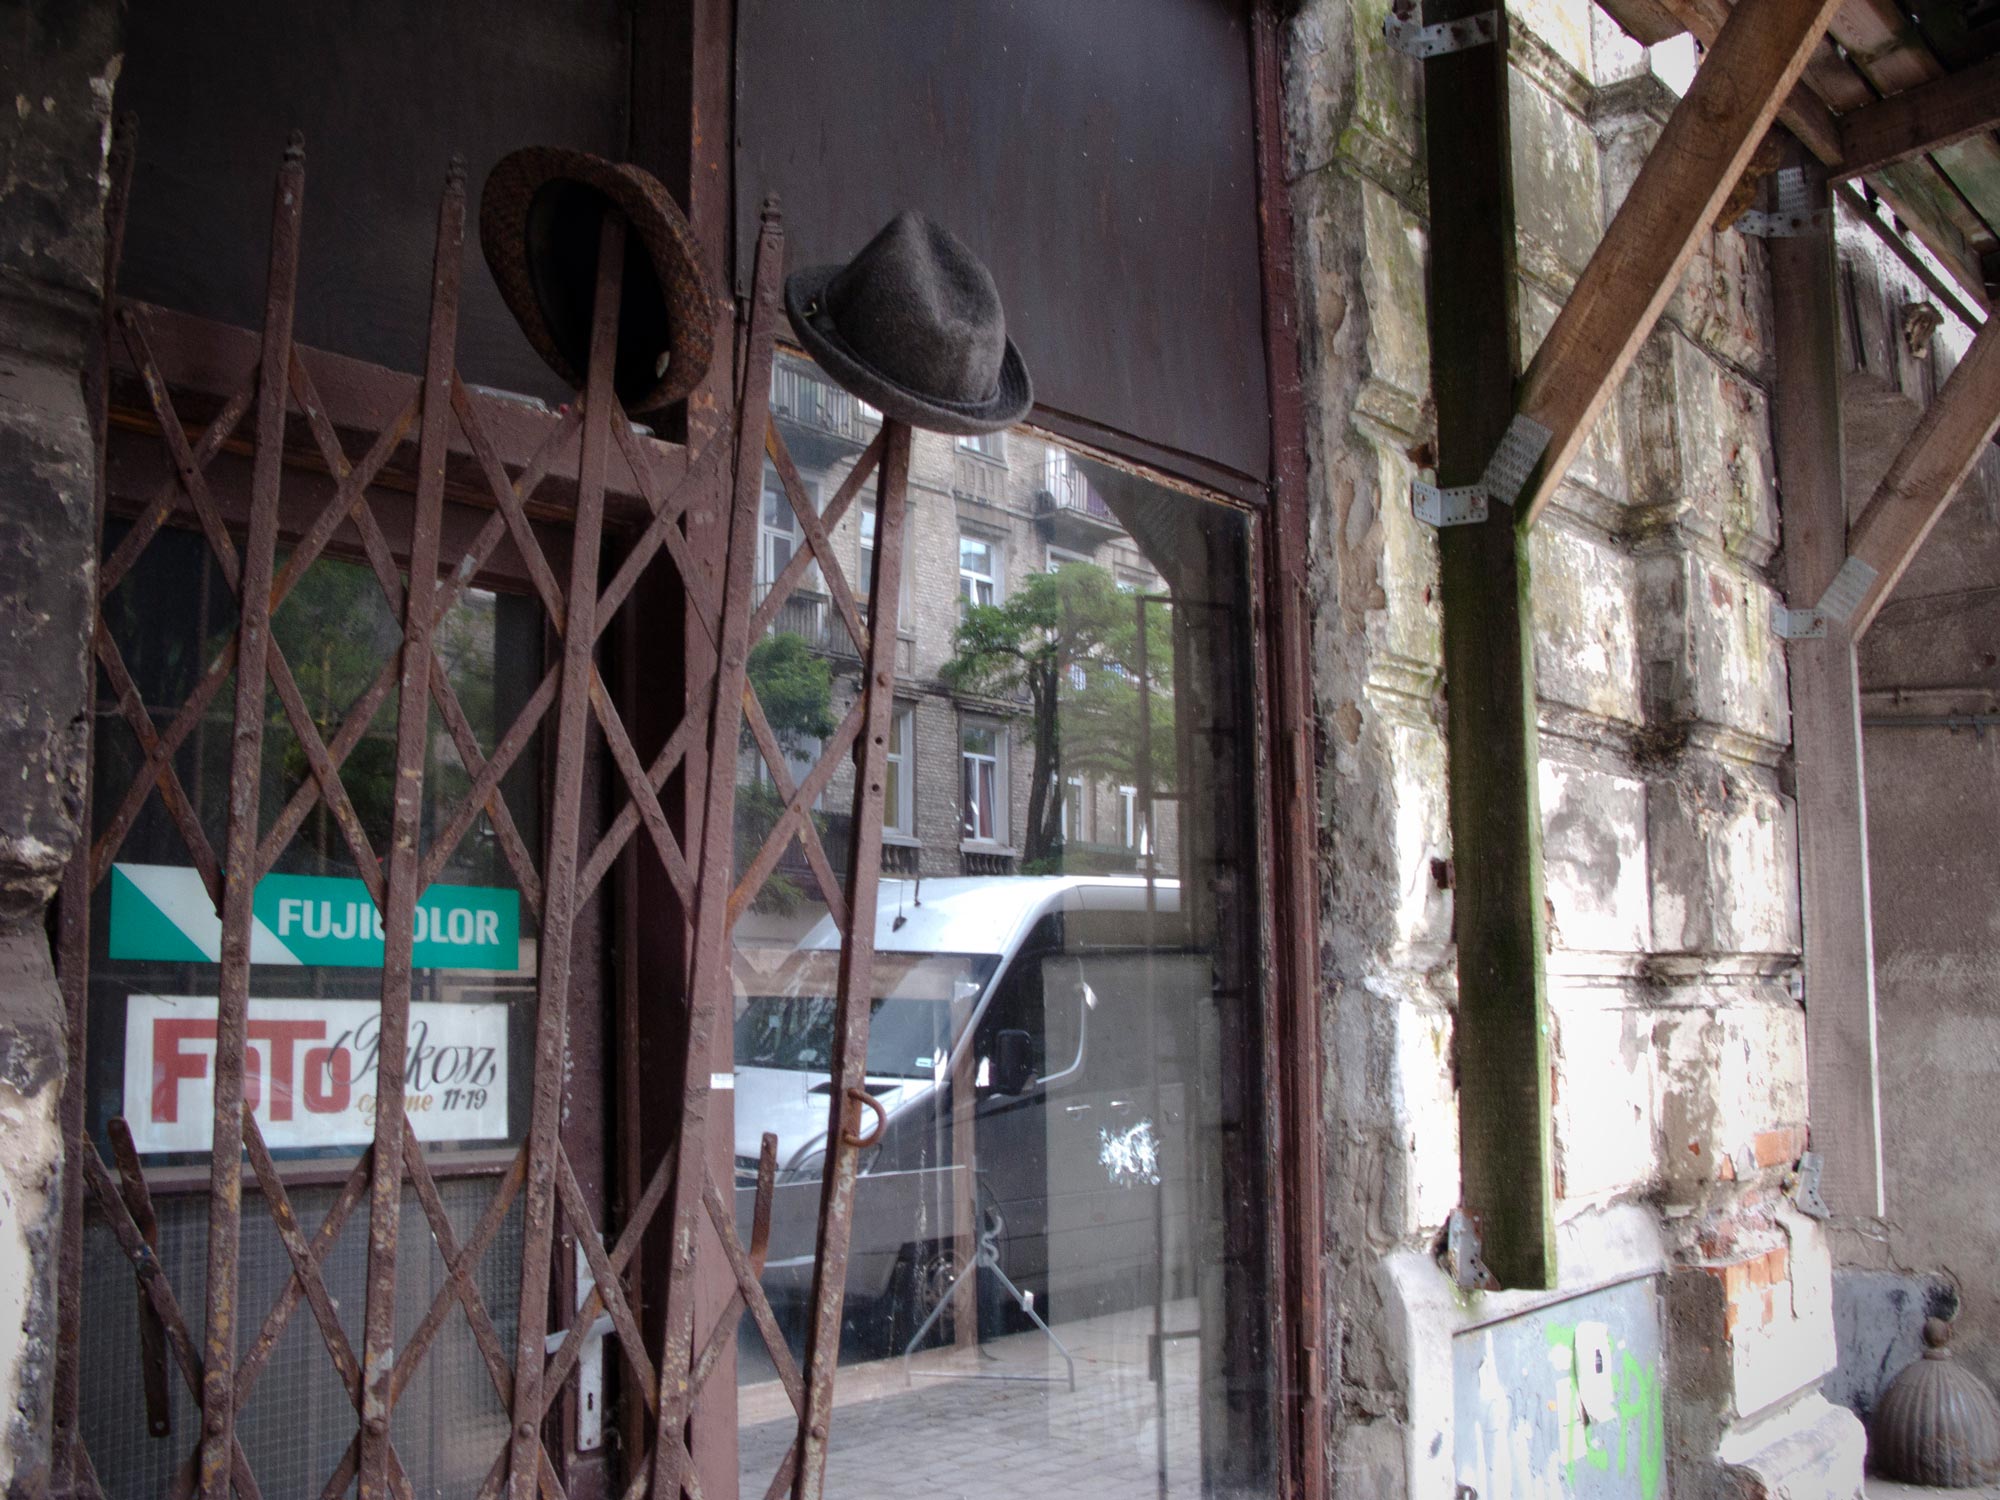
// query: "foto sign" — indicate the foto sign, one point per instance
point(309, 1071)
point(164, 912)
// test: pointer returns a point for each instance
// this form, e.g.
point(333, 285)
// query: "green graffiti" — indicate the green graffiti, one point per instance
point(1638, 1448)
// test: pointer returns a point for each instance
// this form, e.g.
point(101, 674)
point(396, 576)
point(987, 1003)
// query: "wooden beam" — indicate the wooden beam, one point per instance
point(1921, 119)
point(1757, 57)
point(1647, 22)
point(1952, 434)
point(1842, 1067)
point(1505, 1124)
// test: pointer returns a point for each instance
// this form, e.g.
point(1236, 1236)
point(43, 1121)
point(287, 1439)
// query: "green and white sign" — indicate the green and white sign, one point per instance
point(163, 912)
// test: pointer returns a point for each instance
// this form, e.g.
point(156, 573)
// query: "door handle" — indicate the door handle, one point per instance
point(1076, 1109)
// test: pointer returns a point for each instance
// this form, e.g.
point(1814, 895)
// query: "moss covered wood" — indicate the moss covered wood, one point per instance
point(1506, 1143)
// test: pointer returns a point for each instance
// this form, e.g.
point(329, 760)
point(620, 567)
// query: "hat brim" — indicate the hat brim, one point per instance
point(686, 290)
point(1012, 399)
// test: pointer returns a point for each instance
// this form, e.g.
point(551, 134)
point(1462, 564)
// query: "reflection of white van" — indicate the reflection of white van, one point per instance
point(1052, 1019)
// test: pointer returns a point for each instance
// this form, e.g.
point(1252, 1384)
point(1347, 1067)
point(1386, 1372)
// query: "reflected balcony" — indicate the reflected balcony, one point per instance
point(1073, 515)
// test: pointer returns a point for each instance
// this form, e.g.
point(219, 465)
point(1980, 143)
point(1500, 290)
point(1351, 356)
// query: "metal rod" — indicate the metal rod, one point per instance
point(405, 878)
point(554, 954)
point(708, 970)
point(1977, 723)
point(218, 1403)
point(856, 971)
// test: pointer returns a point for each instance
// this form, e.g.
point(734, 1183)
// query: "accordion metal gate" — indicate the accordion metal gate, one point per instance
point(666, 1355)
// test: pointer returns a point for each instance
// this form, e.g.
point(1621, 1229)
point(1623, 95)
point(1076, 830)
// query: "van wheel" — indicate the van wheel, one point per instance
point(923, 1279)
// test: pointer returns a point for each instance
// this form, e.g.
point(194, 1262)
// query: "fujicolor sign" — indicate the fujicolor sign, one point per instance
point(164, 912)
point(309, 1071)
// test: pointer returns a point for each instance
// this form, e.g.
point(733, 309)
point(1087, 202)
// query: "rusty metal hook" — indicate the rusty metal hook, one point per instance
point(862, 1096)
point(760, 1204)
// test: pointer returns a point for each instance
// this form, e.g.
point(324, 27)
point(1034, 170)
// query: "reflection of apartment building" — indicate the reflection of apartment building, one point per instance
point(985, 513)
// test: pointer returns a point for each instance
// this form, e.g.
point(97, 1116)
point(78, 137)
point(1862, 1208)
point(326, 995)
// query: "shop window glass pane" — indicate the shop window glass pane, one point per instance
point(315, 992)
point(1066, 1023)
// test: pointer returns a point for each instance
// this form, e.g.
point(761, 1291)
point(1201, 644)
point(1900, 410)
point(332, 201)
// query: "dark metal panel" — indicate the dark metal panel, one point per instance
point(388, 91)
point(1098, 157)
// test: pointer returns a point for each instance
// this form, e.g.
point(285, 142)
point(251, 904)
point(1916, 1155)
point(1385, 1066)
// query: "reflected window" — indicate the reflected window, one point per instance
point(986, 444)
point(778, 532)
point(978, 570)
point(983, 751)
point(1073, 809)
point(898, 780)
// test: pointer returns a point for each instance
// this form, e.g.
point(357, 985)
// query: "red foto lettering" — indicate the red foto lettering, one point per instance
point(174, 1060)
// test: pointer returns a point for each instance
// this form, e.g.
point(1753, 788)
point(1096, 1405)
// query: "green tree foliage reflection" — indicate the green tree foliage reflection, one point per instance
point(796, 688)
point(1070, 641)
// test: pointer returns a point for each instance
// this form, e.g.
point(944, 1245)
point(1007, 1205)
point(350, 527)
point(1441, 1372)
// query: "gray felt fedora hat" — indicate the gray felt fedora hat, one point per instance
point(913, 325)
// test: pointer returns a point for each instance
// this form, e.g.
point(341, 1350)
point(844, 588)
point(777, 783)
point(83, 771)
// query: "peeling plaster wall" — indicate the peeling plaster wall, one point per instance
point(1933, 826)
point(1669, 838)
point(58, 62)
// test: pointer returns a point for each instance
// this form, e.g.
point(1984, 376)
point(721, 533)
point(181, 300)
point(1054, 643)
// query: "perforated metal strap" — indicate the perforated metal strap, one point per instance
point(1521, 448)
point(1796, 213)
point(1414, 40)
point(1836, 606)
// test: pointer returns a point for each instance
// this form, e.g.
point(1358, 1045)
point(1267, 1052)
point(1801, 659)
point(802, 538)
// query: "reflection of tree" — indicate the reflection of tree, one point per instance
point(1070, 639)
point(796, 689)
point(335, 630)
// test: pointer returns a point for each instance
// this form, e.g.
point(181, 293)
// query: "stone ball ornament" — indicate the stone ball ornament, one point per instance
point(1937, 1424)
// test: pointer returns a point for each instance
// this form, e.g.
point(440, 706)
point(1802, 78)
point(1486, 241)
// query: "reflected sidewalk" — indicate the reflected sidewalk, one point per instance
point(941, 1431)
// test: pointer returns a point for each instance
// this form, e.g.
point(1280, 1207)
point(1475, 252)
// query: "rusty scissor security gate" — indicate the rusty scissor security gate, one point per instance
point(665, 1369)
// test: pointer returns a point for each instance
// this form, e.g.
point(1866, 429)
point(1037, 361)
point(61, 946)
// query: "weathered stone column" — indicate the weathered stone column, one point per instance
point(58, 62)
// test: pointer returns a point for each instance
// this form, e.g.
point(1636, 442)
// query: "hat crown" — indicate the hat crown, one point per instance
point(917, 304)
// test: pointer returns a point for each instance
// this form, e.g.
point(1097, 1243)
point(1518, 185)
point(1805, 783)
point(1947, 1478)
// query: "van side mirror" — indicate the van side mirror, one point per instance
point(1013, 1066)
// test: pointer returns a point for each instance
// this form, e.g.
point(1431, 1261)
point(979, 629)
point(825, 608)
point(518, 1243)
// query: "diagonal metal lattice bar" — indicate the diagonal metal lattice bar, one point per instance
point(796, 820)
point(817, 541)
point(794, 572)
point(306, 1274)
point(153, 1280)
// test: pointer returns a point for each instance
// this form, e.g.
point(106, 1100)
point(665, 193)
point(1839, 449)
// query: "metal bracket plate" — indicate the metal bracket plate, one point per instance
point(1461, 1254)
point(1521, 448)
point(1414, 40)
point(1836, 606)
point(1805, 1191)
point(1780, 226)
point(1796, 213)
point(1849, 587)
point(1797, 624)
point(1462, 505)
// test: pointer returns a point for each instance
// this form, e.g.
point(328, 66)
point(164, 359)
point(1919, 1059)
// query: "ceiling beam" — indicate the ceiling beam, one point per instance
point(1950, 438)
point(1921, 119)
point(1756, 59)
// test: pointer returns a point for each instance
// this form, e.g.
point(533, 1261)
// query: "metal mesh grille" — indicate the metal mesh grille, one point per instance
point(298, 1422)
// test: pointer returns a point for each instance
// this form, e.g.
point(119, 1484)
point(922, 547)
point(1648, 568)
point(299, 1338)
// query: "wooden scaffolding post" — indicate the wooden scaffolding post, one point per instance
point(1826, 717)
point(1506, 1150)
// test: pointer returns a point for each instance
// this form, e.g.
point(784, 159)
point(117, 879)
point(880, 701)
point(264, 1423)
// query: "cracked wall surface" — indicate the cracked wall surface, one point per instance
point(58, 63)
point(1670, 847)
